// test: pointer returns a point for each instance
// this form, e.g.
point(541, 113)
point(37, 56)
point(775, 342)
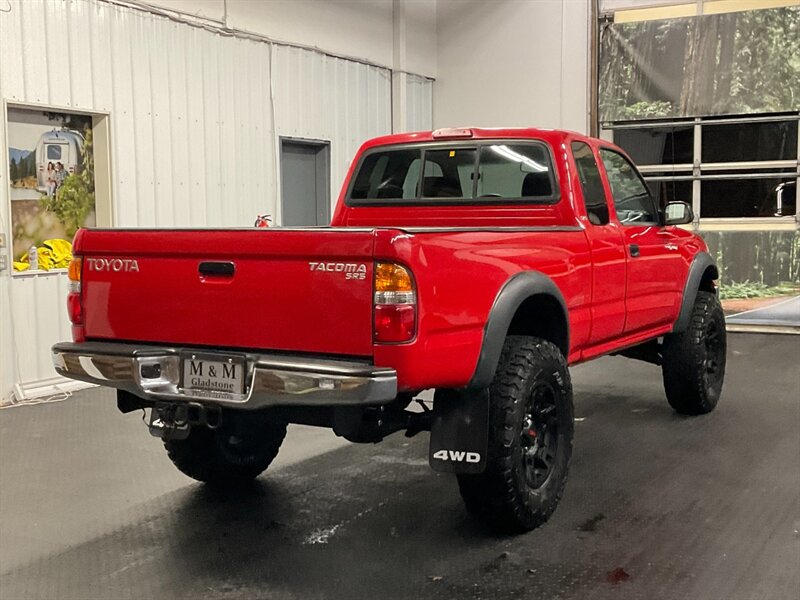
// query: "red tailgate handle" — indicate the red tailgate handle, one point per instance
point(217, 269)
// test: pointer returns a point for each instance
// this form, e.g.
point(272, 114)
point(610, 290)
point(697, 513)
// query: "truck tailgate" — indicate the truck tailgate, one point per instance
point(303, 290)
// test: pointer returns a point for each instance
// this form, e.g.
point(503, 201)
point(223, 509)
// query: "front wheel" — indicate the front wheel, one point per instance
point(236, 452)
point(530, 438)
point(694, 360)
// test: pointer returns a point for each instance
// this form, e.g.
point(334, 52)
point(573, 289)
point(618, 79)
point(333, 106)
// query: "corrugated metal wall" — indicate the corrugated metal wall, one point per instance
point(342, 101)
point(40, 320)
point(193, 126)
point(419, 103)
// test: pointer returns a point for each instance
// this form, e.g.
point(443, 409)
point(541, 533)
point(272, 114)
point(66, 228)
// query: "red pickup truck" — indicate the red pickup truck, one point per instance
point(476, 262)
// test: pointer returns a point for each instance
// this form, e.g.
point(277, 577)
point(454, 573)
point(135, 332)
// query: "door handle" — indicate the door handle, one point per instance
point(216, 269)
point(634, 250)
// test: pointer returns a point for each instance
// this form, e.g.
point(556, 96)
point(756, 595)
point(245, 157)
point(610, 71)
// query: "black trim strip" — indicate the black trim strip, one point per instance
point(514, 292)
point(700, 263)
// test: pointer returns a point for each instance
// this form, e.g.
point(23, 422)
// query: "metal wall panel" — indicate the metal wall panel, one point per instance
point(40, 320)
point(419, 99)
point(325, 98)
point(193, 142)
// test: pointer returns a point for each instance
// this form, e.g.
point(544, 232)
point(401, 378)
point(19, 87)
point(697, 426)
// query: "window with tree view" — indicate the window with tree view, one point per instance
point(707, 106)
point(741, 62)
point(742, 167)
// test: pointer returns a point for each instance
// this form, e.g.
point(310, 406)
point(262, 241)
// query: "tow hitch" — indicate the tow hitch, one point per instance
point(173, 421)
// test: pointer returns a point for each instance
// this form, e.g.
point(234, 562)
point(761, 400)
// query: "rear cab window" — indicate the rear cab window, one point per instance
point(509, 171)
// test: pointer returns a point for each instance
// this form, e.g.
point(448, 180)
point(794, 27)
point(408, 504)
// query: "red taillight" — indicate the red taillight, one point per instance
point(74, 308)
point(78, 333)
point(395, 323)
point(74, 300)
point(395, 304)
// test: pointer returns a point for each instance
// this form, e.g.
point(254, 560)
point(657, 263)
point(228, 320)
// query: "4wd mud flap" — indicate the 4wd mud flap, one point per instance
point(459, 431)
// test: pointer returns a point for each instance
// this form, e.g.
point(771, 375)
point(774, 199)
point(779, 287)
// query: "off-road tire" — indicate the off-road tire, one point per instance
point(532, 374)
point(694, 360)
point(233, 454)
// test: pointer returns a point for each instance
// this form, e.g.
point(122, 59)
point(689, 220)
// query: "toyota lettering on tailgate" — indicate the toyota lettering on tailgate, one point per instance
point(126, 265)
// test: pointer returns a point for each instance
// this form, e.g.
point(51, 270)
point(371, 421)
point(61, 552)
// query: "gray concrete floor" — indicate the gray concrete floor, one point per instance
point(657, 506)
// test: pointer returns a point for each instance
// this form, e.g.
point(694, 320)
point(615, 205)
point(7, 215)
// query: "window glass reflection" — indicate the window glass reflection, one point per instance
point(776, 140)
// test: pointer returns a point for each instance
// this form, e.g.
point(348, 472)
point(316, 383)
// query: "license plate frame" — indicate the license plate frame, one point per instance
point(216, 369)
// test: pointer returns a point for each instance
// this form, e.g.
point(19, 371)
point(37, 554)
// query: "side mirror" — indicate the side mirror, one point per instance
point(678, 213)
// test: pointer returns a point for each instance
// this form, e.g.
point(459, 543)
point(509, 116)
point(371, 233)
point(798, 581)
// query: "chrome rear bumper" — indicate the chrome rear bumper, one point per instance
point(272, 379)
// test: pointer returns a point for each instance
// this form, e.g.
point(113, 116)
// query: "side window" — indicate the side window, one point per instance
point(594, 194)
point(632, 199)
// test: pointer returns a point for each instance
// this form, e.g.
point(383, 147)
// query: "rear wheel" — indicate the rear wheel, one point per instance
point(694, 360)
point(530, 438)
point(236, 452)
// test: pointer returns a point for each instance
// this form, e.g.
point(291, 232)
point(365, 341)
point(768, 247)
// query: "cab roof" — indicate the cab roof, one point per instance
point(553, 136)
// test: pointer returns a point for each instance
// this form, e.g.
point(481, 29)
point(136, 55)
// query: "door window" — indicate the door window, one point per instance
point(632, 199)
point(594, 194)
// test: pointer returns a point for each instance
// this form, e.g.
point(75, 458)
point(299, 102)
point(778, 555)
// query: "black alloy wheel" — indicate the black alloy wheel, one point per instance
point(539, 436)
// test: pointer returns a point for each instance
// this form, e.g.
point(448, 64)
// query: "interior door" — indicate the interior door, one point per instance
point(305, 183)
point(654, 265)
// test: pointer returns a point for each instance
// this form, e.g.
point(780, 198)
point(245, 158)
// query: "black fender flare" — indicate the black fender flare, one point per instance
point(701, 262)
point(514, 292)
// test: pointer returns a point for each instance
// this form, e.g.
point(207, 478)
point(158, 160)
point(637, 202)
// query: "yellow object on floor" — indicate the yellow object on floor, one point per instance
point(52, 254)
point(60, 253)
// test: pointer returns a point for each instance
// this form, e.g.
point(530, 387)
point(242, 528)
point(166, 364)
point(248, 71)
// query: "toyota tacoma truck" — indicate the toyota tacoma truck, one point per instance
point(479, 263)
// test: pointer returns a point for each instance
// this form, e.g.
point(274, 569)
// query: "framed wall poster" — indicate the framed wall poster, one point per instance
point(52, 181)
point(733, 63)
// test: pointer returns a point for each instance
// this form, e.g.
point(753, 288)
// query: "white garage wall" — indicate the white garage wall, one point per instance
point(419, 103)
point(353, 28)
point(193, 138)
point(342, 101)
point(512, 63)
